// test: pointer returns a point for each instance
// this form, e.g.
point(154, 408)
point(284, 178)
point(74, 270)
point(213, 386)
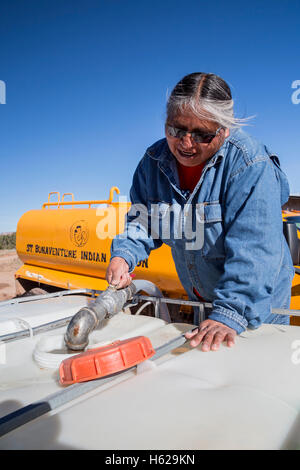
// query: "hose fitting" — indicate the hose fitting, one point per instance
point(107, 304)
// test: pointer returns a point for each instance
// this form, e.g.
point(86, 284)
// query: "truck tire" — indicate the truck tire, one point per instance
point(35, 291)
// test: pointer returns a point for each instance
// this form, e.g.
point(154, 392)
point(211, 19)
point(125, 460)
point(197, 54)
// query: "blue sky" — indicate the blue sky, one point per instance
point(86, 85)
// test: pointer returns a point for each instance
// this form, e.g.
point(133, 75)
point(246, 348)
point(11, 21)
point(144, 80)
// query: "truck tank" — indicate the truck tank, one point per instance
point(67, 246)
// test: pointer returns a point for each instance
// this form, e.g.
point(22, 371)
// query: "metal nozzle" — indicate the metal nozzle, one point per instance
point(109, 302)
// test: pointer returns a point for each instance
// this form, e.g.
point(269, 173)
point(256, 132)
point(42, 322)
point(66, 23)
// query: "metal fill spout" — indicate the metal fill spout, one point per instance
point(107, 304)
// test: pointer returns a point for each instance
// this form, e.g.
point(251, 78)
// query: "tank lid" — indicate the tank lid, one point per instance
point(105, 360)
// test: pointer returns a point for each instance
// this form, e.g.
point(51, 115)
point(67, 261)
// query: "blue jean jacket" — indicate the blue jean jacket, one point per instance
point(241, 262)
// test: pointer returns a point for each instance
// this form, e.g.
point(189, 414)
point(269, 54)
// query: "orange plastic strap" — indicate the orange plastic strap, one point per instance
point(106, 360)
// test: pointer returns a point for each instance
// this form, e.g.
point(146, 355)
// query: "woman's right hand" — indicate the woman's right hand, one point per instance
point(117, 273)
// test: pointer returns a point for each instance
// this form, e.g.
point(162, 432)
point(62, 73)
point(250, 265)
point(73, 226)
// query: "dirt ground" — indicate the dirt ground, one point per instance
point(9, 263)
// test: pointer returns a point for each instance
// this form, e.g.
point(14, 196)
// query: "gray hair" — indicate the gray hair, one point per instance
point(208, 97)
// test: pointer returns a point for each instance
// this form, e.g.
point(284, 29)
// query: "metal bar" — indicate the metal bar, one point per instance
point(67, 194)
point(22, 416)
point(30, 298)
point(138, 298)
point(276, 311)
point(171, 345)
point(156, 308)
point(58, 203)
point(71, 203)
point(201, 313)
point(38, 329)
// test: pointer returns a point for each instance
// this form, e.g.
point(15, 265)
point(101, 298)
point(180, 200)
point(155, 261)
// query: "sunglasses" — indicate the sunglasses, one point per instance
point(198, 137)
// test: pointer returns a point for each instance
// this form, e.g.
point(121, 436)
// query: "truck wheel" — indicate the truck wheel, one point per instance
point(35, 291)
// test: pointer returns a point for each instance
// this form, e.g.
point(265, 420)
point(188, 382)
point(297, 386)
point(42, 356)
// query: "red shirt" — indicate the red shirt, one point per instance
point(188, 178)
point(189, 175)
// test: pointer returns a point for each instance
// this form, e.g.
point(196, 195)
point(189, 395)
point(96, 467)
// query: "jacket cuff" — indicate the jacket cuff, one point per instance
point(229, 318)
point(127, 256)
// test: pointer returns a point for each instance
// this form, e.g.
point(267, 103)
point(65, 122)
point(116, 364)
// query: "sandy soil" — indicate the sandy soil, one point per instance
point(9, 263)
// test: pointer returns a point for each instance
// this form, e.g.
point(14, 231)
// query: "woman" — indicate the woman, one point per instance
point(232, 187)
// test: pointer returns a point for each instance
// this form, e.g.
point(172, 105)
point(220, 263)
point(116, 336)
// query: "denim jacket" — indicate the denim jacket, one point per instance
point(242, 264)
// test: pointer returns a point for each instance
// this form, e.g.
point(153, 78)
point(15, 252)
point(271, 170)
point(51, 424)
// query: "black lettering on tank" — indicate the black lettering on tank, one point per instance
point(143, 264)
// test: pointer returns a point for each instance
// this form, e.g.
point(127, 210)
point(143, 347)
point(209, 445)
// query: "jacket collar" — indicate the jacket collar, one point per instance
point(167, 163)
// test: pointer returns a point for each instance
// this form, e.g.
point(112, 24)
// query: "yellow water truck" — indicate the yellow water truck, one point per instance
point(66, 245)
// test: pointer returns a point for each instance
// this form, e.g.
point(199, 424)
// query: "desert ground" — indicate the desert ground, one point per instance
point(9, 263)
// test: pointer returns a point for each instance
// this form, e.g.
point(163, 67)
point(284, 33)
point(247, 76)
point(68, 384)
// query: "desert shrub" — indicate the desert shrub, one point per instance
point(7, 241)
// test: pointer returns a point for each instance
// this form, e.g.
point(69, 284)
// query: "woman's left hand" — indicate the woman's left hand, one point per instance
point(211, 333)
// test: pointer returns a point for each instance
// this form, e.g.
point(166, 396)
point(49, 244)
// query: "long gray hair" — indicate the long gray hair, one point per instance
point(207, 96)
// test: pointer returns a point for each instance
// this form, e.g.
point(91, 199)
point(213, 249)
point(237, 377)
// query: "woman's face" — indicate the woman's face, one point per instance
point(185, 149)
